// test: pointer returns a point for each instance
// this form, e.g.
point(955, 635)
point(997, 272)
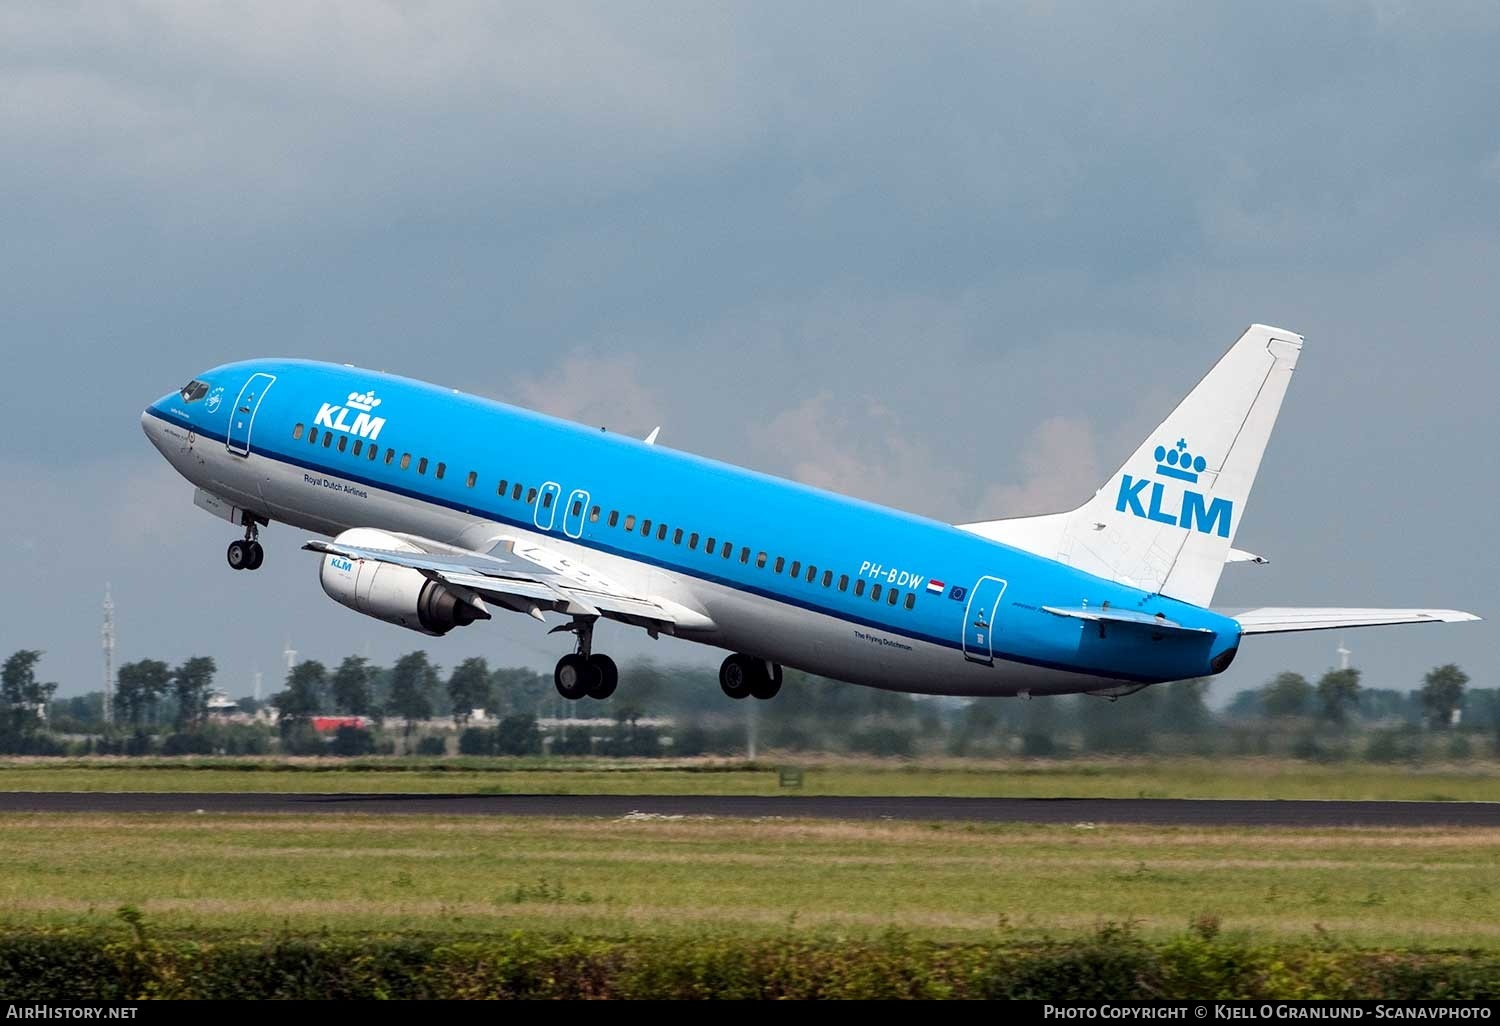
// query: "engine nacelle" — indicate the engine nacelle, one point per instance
point(396, 594)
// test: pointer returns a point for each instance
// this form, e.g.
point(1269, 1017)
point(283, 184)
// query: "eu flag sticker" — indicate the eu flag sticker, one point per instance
point(957, 594)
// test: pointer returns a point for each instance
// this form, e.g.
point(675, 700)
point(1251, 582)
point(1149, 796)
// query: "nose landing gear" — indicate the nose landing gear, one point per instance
point(247, 554)
point(743, 676)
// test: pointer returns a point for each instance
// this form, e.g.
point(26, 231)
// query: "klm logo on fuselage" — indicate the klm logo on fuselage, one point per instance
point(336, 418)
point(1142, 497)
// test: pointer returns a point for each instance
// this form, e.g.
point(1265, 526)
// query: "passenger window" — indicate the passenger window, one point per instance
point(327, 439)
point(893, 596)
point(677, 537)
point(796, 567)
point(515, 493)
point(875, 593)
point(630, 522)
point(760, 561)
point(577, 507)
point(546, 500)
point(728, 548)
point(843, 582)
point(693, 540)
point(812, 572)
point(745, 555)
point(661, 532)
point(709, 548)
point(530, 496)
point(501, 490)
point(359, 446)
point(859, 587)
point(442, 468)
point(297, 433)
point(594, 515)
point(312, 437)
point(374, 451)
point(422, 465)
point(614, 517)
point(911, 599)
point(473, 478)
point(343, 443)
point(827, 578)
point(405, 460)
point(646, 528)
point(780, 563)
point(390, 454)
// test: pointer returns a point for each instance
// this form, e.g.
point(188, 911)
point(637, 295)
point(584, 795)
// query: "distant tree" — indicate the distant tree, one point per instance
point(1443, 694)
point(138, 687)
point(413, 682)
point(191, 684)
point(1338, 694)
point(23, 698)
point(1245, 705)
point(469, 689)
point(1183, 707)
point(351, 687)
point(302, 698)
point(1288, 694)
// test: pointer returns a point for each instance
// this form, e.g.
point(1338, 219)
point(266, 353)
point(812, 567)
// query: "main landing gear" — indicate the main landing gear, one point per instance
point(247, 554)
point(743, 676)
point(583, 673)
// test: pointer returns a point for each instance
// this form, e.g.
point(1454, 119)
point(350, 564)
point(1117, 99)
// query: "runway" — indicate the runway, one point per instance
point(1147, 811)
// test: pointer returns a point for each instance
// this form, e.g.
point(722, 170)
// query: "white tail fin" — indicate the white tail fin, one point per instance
point(1166, 520)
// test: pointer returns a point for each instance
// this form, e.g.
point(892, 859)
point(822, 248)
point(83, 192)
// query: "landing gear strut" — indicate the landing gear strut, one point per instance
point(247, 554)
point(583, 673)
point(743, 676)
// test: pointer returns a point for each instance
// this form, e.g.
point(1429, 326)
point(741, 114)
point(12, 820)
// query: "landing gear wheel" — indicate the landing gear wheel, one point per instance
point(257, 556)
point(735, 676)
point(238, 555)
point(609, 676)
point(575, 677)
point(764, 685)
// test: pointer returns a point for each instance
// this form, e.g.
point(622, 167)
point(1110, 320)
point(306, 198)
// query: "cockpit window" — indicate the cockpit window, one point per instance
point(194, 390)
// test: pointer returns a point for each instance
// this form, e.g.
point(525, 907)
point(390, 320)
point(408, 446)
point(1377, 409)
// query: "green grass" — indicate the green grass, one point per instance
point(225, 876)
point(1125, 778)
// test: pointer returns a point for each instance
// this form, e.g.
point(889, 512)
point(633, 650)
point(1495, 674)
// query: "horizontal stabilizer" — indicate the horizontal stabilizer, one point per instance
point(1126, 618)
point(1276, 621)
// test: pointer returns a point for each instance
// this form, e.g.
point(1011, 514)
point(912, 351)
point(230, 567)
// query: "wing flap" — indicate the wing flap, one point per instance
point(1275, 620)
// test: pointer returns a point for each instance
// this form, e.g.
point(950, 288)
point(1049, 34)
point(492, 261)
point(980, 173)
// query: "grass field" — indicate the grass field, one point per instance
point(1149, 778)
point(235, 875)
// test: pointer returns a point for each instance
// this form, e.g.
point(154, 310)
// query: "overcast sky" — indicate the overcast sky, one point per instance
point(959, 258)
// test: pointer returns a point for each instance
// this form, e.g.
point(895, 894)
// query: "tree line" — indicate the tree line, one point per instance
point(681, 711)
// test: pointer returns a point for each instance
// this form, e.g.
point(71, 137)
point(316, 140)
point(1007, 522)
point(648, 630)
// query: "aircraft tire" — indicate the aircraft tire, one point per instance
point(238, 555)
point(574, 676)
point(765, 685)
point(735, 676)
point(257, 556)
point(609, 676)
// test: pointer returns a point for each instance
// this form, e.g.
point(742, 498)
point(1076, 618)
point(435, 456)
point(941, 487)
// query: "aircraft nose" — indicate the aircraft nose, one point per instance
point(151, 422)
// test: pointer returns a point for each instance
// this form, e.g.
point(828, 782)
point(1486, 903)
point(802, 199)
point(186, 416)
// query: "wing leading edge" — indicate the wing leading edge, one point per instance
point(1275, 620)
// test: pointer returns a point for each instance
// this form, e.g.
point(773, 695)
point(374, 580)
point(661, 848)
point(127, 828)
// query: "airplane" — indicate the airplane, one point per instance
point(444, 508)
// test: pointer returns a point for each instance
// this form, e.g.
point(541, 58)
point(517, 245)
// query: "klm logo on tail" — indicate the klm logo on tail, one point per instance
point(1194, 512)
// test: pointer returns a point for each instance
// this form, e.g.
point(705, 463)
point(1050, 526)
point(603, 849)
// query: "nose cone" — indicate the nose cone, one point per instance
point(152, 422)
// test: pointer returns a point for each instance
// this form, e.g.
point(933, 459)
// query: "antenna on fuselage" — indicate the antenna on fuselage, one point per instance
point(651, 438)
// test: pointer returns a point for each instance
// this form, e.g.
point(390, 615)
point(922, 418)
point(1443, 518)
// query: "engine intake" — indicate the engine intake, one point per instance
point(396, 594)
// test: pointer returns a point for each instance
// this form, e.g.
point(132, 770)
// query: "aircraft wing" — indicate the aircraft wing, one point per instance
point(1274, 620)
point(529, 579)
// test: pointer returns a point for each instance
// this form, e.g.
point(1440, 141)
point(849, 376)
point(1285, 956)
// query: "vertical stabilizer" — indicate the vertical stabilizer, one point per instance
point(1166, 520)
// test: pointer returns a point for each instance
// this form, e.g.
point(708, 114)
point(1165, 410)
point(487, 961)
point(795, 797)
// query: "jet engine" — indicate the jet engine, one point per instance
point(396, 594)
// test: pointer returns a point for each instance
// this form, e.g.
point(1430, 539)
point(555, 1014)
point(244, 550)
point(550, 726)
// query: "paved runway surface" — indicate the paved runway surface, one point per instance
point(1154, 811)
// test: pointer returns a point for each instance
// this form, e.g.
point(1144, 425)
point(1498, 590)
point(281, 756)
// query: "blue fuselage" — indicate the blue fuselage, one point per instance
point(786, 572)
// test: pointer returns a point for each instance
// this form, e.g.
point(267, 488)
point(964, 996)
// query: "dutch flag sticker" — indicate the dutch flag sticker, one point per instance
point(936, 587)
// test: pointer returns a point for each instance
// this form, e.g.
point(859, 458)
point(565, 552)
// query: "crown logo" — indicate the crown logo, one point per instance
point(366, 402)
point(1178, 462)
